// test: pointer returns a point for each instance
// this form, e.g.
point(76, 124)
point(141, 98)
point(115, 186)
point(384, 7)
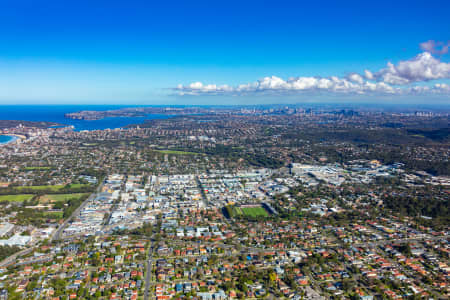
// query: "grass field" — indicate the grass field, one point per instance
point(15, 198)
point(78, 185)
point(257, 211)
point(36, 168)
point(59, 197)
point(176, 152)
point(237, 211)
point(40, 187)
point(48, 187)
point(54, 214)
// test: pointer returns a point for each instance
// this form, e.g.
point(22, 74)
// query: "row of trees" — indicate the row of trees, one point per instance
point(6, 251)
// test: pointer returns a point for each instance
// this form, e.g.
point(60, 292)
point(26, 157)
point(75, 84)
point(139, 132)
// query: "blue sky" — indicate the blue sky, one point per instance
point(145, 52)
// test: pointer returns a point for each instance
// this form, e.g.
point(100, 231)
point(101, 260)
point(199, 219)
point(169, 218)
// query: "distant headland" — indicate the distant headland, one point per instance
point(131, 112)
point(15, 123)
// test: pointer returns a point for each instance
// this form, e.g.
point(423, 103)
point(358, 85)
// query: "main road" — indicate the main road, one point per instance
point(148, 274)
point(9, 260)
point(57, 234)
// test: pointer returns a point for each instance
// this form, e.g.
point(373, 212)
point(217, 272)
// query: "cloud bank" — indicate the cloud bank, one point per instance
point(423, 67)
point(394, 79)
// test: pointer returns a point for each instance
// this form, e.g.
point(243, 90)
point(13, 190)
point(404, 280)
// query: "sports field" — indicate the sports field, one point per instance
point(36, 168)
point(54, 188)
point(15, 198)
point(176, 152)
point(256, 211)
point(40, 187)
point(60, 197)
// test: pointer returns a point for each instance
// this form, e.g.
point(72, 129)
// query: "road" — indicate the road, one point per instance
point(148, 274)
point(57, 234)
point(246, 249)
point(411, 274)
point(200, 187)
point(7, 261)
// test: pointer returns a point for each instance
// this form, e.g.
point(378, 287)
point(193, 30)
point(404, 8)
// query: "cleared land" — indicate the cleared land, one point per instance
point(16, 198)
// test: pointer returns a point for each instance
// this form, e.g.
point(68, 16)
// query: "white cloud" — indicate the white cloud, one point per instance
point(423, 67)
point(297, 84)
point(441, 87)
point(438, 88)
point(199, 87)
point(394, 79)
point(356, 78)
point(368, 75)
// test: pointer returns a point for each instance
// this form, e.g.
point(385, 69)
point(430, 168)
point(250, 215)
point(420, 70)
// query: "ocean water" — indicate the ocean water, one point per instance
point(55, 113)
point(4, 139)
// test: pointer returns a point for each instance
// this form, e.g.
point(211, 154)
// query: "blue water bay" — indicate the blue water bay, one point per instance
point(55, 113)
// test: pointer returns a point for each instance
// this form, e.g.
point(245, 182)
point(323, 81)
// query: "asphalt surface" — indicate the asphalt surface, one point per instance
point(148, 275)
point(7, 261)
point(57, 234)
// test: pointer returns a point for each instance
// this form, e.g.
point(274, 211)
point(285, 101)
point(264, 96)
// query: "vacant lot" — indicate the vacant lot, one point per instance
point(15, 198)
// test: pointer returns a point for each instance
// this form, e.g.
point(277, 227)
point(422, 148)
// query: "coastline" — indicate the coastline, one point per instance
point(45, 116)
point(14, 138)
point(22, 137)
